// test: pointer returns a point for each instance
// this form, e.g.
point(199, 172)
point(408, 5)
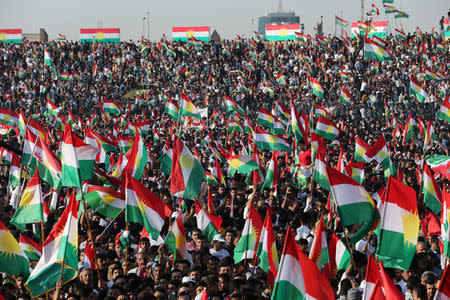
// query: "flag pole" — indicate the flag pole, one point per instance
point(126, 250)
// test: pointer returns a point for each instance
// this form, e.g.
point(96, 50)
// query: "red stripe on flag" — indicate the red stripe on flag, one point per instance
point(194, 28)
point(11, 31)
point(95, 30)
point(285, 26)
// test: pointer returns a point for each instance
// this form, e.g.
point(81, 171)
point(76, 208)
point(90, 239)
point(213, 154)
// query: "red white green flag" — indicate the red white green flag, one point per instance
point(246, 246)
point(432, 195)
point(32, 249)
point(267, 250)
point(12, 258)
point(207, 223)
point(176, 238)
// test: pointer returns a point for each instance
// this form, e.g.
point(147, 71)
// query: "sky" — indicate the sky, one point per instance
point(228, 17)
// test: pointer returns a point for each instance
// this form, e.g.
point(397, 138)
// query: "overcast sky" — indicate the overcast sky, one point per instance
point(228, 17)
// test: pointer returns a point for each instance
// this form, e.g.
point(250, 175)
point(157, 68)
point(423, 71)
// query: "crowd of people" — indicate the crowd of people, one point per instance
point(256, 74)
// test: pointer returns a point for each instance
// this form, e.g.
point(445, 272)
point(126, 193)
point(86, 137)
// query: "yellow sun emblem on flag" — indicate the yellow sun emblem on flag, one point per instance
point(272, 139)
point(2, 36)
point(107, 198)
point(99, 35)
point(186, 161)
point(8, 244)
point(27, 197)
point(283, 32)
point(270, 119)
point(411, 223)
point(190, 34)
point(235, 163)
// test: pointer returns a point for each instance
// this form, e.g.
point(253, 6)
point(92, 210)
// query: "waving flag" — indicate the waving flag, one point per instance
point(32, 249)
point(389, 9)
point(400, 34)
point(187, 172)
point(372, 50)
point(187, 108)
point(444, 113)
point(231, 105)
point(30, 208)
point(339, 257)
point(316, 87)
point(137, 158)
point(443, 291)
point(354, 204)
point(142, 206)
point(246, 246)
point(111, 107)
point(267, 250)
point(345, 96)
point(319, 249)
point(399, 226)
point(326, 129)
point(70, 171)
point(380, 153)
point(176, 238)
point(9, 117)
point(417, 90)
point(12, 258)
point(60, 245)
point(340, 22)
point(105, 201)
point(243, 164)
point(207, 223)
point(319, 173)
point(432, 195)
point(267, 141)
point(271, 179)
point(401, 14)
point(172, 110)
point(298, 276)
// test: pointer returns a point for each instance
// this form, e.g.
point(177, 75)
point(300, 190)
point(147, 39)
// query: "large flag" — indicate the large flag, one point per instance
point(9, 117)
point(432, 195)
point(105, 201)
point(354, 204)
point(326, 129)
point(185, 33)
point(70, 170)
point(176, 238)
point(265, 118)
point(372, 50)
point(267, 249)
point(31, 207)
point(10, 35)
point(142, 206)
point(439, 163)
point(246, 246)
point(100, 35)
point(12, 258)
point(416, 89)
point(399, 226)
point(187, 108)
point(207, 223)
point(298, 276)
point(60, 248)
point(187, 173)
point(137, 158)
point(267, 141)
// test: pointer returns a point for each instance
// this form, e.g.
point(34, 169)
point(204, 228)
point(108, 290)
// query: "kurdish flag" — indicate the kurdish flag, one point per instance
point(319, 249)
point(70, 170)
point(231, 105)
point(9, 117)
point(187, 108)
point(142, 206)
point(267, 249)
point(401, 14)
point(52, 109)
point(137, 158)
point(399, 226)
point(14, 172)
point(298, 276)
point(372, 50)
point(185, 33)
point(271, 178)
point(445, 223)
point(339, 256)
point(166, 158)
point(32, 249)
point(320, 173)
point(105, 201)
point(417, 90)
point(341, 22)
point(243, 164)
point(176, 238)
point(444, 113)
point(380, 153)
point(400, 34)
point(12, 258)
point(267, 141)
point(10, 35)
point(265, 118)
point(60, 247)
point(246, 246)
point(354, 204)
point(432, 195)
point(111, 107)
point(105, 143)
point(281, 32)
point(356, 171)
point(100, 35)
point(326, 129)
point(443, 291)
point(316, 87)
point(207, 223)
point(186, 173)
point(345, 96)
point(389, 9)
point(172, 110)
point(31, 207)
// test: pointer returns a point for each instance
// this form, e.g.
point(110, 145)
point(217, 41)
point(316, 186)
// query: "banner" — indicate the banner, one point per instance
point(282, 32)
point(10, 35)
point(100, 35)
point(377, 28)
point(184, 33)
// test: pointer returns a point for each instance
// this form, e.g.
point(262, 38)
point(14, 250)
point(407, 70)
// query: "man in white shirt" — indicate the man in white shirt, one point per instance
point(217, 250)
